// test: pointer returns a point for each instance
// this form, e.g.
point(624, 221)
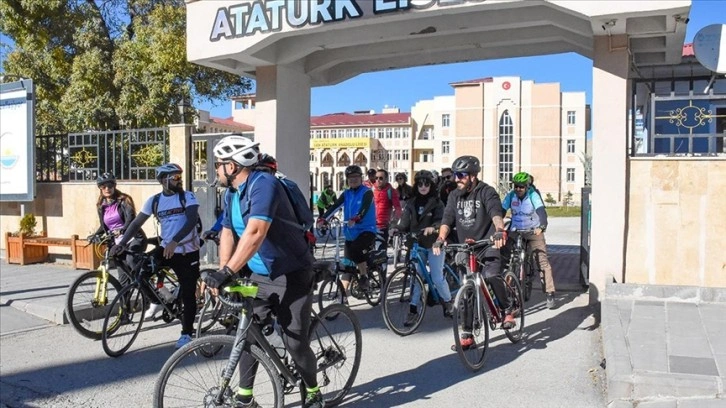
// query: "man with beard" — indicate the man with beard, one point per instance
point(475, 210)
point(178, 213)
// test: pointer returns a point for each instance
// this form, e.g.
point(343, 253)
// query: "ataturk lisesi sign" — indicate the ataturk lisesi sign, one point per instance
point(247, 19)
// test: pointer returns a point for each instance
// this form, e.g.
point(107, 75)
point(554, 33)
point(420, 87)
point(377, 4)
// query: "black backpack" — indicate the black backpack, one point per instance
point(183, 201)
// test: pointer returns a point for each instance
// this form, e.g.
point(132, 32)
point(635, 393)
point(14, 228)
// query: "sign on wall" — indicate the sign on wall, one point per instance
point(17, 136)
point(347, 143)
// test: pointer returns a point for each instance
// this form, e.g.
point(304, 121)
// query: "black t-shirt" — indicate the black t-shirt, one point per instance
point(472, 212)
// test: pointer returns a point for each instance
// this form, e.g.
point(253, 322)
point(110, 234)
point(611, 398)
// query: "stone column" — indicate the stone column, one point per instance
point(180, 150)
point(610, 101)
point(283, 120)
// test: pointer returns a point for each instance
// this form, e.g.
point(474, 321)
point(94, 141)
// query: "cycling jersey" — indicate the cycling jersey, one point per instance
point(172, 219)
point(525, 214)
point(263, 197)
point(352, 201)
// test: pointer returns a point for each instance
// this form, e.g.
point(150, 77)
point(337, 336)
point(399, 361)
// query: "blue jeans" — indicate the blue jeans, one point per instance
point(436, 269)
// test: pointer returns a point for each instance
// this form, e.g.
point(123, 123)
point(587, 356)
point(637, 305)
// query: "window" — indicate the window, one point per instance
point(506, 146)
point(381, 132)
point(406, 133)
point(312, 156)
point(445, 120)
point(356, 132)
point(326, 133)
point(444, 147)
point(365, 132)
point(570, 175)
point(389, 133)
point(570, 146)
point(405, 155)
point(348, 132)
point(570, 117)
point(398, 155)
point(397, 133)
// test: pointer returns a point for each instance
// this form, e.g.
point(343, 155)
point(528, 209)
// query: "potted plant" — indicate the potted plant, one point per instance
point(22, 254)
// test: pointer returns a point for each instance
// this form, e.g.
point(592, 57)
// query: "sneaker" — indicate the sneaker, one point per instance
point(153, 309)
point(509, 322)
point(550, 300)
point(449, 309)
point(467, 342)
point(410, 319)
point(314, 400)
point(183, 341)
point(240, 404)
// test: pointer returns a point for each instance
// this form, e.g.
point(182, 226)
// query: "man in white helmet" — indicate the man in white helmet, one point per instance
point(260, 215)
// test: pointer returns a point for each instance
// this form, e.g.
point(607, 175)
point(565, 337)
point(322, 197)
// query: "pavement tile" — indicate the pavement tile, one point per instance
point(668, 403)
point(692, 365)
point(648, 358)
point(649, 310)
point(683, 311)
point(712, 312)
point(619, 365)
point(696, 347)
point(620, 404)
point(702, 403)
point(720, 364)
point(620, 388)
point(673, 385)
point(691, 328)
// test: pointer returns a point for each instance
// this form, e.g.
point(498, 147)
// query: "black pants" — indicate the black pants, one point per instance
point(186, 268)
point(289, 298)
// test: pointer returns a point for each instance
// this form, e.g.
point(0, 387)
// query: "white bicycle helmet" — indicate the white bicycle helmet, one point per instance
point(238, 149)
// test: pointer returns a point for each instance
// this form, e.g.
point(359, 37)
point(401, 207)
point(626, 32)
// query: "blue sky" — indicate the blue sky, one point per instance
point(404, 87)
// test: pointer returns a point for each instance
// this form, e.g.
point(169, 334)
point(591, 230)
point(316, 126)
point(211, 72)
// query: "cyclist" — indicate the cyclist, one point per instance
point(326, 200)
point(447, 184)
point(179, 248)
point(528, 212)
point(474, 208)
point(404, 191)
point(424, 212)
point(116, 211)
point(386, 201)
point(371, 180)
point(258, 213)
point(360, 231)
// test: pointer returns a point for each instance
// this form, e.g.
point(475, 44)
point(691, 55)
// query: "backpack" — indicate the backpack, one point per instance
point(183, 201)
point(303, 214)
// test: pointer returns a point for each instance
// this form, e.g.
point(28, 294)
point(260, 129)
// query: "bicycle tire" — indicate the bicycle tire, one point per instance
point(397, 296)
point(190, 377)
point(123, 321)
point(376, 281)
point(330, 292)
point(536, 270)
point(516, 302)
point(474, 356)
point(85, 313)
point(327, 339)
point(212, 318)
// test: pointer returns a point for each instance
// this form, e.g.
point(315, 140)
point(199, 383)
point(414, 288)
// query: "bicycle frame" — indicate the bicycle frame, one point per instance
point(415, 256)
point(474, 273)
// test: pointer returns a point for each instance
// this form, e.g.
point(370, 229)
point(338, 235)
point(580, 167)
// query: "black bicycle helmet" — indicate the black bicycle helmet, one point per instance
point(424, 175)
point(269, 161)
point(466, 164)
point(106, 178)
point(403, 176)
point(353, 169)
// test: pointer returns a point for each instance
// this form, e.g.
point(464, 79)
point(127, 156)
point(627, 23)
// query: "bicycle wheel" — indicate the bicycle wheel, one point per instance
point(516, 301)
point(537, 271)
point(471, 326)
point(337, 346)
point(330, 292)
point(376, 280)
point(191, 378)
point(123, 320)
point(525, 274)
point(397, 296)
point(85, 308)
point(213, 317)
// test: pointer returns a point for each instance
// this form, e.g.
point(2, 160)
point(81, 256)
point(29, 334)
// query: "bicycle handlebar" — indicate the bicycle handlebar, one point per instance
point(469, 246)
point(244, 286)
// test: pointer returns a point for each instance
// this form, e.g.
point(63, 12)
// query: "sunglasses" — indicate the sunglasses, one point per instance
point(399, 178)
point(519, 186)
point(448, 176)
point(107, 186)
point(380, 178)
point(217, 164)
point(461, 175)
point(174, 177)
point(423, 184)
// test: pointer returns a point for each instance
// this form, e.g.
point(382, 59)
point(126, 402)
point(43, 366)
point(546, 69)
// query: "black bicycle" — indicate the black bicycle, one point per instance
point(523, 262)
point(205, 371)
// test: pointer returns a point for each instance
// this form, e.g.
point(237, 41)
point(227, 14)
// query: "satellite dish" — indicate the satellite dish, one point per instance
point(709, 46)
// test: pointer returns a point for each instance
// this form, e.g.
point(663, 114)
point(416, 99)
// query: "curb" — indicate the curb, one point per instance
point(38, 309)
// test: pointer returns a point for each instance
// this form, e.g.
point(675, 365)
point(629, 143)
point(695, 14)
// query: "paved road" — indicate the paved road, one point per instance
point(556, 365)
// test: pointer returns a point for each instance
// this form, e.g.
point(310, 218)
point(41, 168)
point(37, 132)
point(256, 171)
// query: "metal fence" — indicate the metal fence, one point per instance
point(130, 154)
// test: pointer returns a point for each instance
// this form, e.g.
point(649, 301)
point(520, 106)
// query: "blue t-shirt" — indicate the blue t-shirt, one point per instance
point(283, 250)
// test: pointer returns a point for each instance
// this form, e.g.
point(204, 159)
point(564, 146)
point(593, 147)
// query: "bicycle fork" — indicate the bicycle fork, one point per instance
point(100, 294)
point(239, 343)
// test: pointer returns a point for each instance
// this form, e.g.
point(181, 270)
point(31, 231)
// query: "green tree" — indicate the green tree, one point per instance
point(107, 63)
point(549, 199)
point(567, 201)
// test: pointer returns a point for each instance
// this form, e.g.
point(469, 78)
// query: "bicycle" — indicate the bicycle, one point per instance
point(332, 290)
point(88, 295)
point(399, 250)
point(125, 315)
point(472, 318)
point(203, 372)
point(413, 281)
point(523, 263)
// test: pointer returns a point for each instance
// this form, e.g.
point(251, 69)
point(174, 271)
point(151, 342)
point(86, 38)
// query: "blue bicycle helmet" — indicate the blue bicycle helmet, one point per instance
point(166, 169)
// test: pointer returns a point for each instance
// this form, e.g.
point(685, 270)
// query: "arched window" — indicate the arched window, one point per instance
point(344, 160)
point(506, 147)
point(361, 160)
point(327, 160)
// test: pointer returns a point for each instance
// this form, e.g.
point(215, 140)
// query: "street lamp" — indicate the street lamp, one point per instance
point(183, 106)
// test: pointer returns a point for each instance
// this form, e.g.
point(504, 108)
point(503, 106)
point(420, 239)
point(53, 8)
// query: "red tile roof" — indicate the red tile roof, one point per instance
point(230, 122)
point(688, 50)
point(472, 81)
point(346, 119)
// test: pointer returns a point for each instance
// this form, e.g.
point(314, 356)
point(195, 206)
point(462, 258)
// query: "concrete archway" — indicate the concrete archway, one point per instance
point(290, 45)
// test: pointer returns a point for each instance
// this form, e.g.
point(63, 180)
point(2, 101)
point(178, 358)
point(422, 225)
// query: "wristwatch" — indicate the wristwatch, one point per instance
point(543, 228)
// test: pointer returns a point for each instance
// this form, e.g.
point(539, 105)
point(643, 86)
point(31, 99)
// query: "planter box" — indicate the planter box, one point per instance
point(19, 253)
point(85, 256)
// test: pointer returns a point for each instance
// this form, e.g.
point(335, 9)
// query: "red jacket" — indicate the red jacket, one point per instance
point(386, 199)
